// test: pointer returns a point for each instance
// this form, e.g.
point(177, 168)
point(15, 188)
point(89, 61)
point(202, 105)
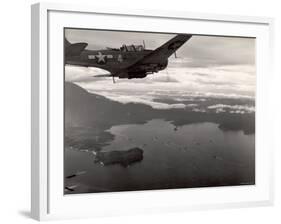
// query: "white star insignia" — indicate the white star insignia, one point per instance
point(101, 57)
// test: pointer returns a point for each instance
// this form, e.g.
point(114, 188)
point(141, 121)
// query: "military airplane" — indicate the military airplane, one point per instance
point(128, 61)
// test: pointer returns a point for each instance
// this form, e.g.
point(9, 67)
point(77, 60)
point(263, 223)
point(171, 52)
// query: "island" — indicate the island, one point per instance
point(124, 158)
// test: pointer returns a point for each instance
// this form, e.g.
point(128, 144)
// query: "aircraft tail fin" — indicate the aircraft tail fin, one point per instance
point(74, 49)
point(66, 43)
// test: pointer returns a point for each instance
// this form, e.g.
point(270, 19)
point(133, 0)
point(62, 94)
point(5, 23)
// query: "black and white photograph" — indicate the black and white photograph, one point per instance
point(156, 111)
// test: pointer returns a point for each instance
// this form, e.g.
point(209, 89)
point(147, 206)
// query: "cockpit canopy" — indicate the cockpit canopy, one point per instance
point(132, 48)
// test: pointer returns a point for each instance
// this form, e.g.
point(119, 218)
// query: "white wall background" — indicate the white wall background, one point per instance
point(15, 110)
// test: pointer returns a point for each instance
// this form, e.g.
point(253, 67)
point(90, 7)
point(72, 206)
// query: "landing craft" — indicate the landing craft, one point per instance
point(126, 62)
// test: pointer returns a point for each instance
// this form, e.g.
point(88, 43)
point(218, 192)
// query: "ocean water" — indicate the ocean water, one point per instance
point(188, 156)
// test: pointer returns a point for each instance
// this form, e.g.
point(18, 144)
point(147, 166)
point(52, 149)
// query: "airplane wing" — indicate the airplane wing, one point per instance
point(164, 51)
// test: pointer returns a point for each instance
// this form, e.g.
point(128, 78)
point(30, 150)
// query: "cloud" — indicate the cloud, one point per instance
point(192, 105)
point(147, 100)
point(165, 78)
point(223, 81)
point(82, 74)
point(233, 108)
point(199, 110)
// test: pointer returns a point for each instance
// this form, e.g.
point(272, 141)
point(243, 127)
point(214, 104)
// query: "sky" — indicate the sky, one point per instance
point(205, 65)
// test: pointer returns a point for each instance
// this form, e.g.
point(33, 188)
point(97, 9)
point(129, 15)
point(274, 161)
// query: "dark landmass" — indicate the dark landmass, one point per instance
point(76, 174)
point(124, 158)
point(83, 109)
point(68, 189)
point(89, 116)
point(87, 139)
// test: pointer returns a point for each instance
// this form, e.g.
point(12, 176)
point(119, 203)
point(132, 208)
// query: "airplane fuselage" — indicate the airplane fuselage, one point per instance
point(118, 60)
point(128, 61)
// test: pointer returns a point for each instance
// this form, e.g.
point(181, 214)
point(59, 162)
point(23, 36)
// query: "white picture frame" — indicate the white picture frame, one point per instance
point(47, 198)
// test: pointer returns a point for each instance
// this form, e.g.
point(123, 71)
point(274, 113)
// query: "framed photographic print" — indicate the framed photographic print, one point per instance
point(148, 111)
